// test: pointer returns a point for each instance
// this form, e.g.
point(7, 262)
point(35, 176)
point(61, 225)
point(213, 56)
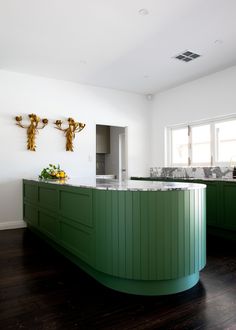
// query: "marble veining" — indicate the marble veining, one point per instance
point(192, 172)
point(127, 185)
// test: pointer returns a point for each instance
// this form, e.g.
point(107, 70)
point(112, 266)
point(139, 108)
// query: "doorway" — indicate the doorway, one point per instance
point(111, 152)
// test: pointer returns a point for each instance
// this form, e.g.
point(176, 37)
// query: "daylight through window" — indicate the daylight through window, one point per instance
point(204, 144)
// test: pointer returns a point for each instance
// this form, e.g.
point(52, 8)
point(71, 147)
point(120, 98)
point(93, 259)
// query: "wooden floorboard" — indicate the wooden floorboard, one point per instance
point(40, 289)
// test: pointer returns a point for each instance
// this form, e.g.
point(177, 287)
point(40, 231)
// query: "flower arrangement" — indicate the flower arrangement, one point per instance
point(53, 172)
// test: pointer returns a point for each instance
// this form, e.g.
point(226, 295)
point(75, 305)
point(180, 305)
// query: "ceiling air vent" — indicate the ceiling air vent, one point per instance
point(187, 56)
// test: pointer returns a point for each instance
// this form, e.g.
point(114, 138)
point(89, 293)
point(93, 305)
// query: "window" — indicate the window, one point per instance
point(225, 137)
point(204, 144)
point(180, 146)
point(201, 145)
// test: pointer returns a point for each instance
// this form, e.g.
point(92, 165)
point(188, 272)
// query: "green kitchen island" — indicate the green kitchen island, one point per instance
point(139, 237)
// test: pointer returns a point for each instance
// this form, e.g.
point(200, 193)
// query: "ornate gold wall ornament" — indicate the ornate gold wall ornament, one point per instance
point(74, 127)
point(32, 129)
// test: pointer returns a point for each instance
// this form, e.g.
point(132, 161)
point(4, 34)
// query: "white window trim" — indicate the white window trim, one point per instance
point(211, 122)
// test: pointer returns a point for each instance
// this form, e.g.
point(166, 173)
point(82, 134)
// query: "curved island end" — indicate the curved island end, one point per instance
point(139, 237)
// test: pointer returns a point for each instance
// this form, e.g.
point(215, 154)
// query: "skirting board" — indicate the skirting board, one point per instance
point(12, 225)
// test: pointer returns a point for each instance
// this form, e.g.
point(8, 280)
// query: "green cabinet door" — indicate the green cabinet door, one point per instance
point(228, 203)
point(213, 206)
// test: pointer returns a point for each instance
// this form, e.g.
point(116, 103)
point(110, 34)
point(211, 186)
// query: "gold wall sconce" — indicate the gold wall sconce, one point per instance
point(73, 127)
point(32, 129)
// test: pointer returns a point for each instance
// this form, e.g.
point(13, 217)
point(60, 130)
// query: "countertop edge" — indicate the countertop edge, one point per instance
point(128, 185)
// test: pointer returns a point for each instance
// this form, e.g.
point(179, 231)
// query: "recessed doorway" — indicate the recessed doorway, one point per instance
point(111, 152)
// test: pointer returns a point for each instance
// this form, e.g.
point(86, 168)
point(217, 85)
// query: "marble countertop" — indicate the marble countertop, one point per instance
point(190, 179)
point(128, 185)
point(209, 179)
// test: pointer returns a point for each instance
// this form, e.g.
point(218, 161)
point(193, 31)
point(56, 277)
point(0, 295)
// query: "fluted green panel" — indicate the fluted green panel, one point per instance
point(109, 231)
point(181, 233)
point(160, 232)
point(186, 235)
point(121, 233)
point(196, 232)
point(192, 246)
point(136, 233)
point(129, 232)
point(174, 236)
point(167, 256)
point(115, 227)
point(155, 235)
point(202, 234)
point(144, 236)
point(152, 235)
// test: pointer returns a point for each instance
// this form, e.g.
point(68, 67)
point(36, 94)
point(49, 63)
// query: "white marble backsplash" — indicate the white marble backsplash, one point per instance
point(192, 172)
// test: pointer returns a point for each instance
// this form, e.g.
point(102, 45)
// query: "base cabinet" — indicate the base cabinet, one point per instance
point(227, 200)
point(220, 205)
point(212, 210)
point(139, 242)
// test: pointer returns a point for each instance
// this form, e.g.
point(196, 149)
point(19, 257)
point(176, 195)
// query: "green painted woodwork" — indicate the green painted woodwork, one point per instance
point(227, 218)
point(150, 235)
point(77, 241)
point(48, 224)
point(30, 192)
point(149, 288)
point(212, 203)
point(48, 197)
point(220, 205)
point(140, 242)
point(77, 205)
point(30, 214)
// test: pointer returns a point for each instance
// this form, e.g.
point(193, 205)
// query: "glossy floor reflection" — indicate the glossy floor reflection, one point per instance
point(39, 289)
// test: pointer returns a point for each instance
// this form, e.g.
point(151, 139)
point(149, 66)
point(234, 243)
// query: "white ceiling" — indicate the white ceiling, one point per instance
point(108, 43)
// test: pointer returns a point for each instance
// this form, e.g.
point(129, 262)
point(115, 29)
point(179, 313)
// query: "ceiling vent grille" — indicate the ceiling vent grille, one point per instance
point(187, 56)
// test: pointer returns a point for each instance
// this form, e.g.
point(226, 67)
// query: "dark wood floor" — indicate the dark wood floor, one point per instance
point(39, 289)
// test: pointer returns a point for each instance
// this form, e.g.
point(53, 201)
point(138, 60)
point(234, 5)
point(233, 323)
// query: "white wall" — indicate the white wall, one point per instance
point(54, 99)
point(208, 97)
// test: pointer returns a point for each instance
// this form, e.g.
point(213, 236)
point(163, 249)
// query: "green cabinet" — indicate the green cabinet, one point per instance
point(63, 215)
point(140, 242)
point(227, 200)
point(220, 205)
point(212, 194)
